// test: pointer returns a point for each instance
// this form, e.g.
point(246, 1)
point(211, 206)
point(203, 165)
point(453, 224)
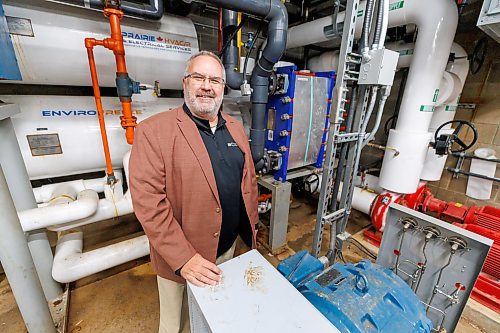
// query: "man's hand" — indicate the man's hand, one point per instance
point(201, 272)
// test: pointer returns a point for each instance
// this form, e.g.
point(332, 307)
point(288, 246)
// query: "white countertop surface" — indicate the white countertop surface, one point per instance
point(253, 297)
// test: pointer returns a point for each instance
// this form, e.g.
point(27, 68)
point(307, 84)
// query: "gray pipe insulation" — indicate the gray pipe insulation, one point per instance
point(276, 13)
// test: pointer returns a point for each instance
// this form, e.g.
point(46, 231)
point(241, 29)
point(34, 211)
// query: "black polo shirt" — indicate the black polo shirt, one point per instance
point(227, 163)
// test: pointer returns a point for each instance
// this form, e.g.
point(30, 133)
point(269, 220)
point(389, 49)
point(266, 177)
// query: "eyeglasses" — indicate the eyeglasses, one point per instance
point(198, 79)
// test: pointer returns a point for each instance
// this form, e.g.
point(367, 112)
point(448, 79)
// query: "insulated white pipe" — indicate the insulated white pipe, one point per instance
point(437, 23)
point(45, 193)
point(107, 209)
point(85, 210)
point(15, 171)
point(459, 69)
point(84, 206)
point(370, 182)
point(361, 198)
point(313, 32)
point(71, 263)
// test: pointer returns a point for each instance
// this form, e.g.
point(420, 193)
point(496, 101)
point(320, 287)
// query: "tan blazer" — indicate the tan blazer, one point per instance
point(174, 193)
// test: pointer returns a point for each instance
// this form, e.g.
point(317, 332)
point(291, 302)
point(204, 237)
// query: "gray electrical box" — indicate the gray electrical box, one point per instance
point(380, 69)
point(438, 260)
point(489, 18)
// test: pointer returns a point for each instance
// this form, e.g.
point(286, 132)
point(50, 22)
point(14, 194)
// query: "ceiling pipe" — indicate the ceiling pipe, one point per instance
point(275, 12)
point(152, 11)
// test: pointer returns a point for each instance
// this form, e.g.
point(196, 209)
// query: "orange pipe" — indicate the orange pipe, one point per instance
point(115, 44)
point(128, 122)
point(89, 44)
point(117, 38)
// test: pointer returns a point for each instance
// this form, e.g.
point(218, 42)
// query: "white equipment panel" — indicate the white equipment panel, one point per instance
point(253, 297)
point(438, 260)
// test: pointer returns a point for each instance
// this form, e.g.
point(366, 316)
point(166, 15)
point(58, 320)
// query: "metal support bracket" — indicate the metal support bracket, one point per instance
point(280, 204)
point(335, 29)
point(344, 74)
point(335, 216)
point(347, 137)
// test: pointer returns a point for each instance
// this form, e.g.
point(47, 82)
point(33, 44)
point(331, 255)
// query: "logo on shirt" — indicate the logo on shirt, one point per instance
point(232, 144)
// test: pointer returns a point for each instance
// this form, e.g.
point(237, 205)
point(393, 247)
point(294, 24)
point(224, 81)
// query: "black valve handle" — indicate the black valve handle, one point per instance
point(455, 135)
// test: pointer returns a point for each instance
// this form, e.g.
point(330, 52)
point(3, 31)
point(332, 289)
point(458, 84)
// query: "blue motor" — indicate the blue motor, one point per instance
point(361, 298)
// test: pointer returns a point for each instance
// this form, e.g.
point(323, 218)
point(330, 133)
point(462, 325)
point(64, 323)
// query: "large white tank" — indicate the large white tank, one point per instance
point(59, 135)
point(49, 45)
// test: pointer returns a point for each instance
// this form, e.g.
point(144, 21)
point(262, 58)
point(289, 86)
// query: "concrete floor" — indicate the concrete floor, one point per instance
point(125, 299)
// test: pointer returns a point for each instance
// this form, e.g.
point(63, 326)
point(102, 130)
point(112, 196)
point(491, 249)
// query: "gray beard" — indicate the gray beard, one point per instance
point(200, 109)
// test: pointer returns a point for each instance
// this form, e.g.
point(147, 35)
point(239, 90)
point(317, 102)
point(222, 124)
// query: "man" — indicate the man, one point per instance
point(193, 188)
